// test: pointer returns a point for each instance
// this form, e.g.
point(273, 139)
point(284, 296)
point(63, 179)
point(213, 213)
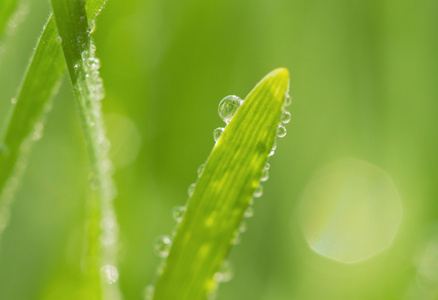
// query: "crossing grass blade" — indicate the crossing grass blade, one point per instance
point(83, 67)
point(222, 193)
point(39, 85)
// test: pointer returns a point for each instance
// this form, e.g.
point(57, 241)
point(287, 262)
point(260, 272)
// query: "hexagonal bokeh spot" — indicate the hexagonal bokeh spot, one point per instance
point(350, 211)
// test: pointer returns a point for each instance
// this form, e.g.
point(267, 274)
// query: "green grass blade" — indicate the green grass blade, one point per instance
point(7, 8)
point(222, 193)
point(79, 53)
point(39, 84)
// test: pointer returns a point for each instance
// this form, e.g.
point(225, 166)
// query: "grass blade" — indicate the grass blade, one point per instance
point(83, 67)
point(222, 193)
point(39, 84)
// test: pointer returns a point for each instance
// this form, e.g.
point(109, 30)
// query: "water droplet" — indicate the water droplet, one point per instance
point(149, 292)
point(236, 238)
point(38, 131)
point(191, 189)
point(91, 26)
point(201, 169)
point(242, 227)
point(258, 191)
point(76, 67)
point(217, 133)
point(228, 107)
point(110, 273)
point(249, 212)
point(13, 100)
point(225, 272)
point(287, 100)
point(94, 63)
point(84, 55)
point(162, 246)
point(281, 131)
point(58, 39)
point(267, 166)
point(92, 48)
point(265, 175)
point(178, 213)
point(285, 117)
point(274, 147)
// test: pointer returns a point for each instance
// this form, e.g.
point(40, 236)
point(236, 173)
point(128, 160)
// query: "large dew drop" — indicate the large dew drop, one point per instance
point(110, 273)
point(350, 211)
point(228, 107)
point(162, 246)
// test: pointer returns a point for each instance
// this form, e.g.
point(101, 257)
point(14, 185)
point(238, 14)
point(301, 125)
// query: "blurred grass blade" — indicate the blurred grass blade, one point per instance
point(7, 8)
point(83, 67)
point(39, 85)
point(222, 193)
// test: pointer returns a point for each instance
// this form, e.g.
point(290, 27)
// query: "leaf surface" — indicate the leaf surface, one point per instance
point(222, 193)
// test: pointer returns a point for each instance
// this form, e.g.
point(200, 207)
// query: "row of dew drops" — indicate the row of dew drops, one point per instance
point(228, 107)
point(89, 68)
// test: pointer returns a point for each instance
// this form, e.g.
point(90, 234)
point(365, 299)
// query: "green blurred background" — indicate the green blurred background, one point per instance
point(364, 85)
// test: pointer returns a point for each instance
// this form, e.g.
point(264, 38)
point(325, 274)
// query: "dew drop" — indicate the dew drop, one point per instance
point(287, 100)
point(274, 147)
point(38, 131)
point(91, 26)
point(267, 166)
point(265, 175)
point(281, 131)
point(149, 292)
point(285, 117)
point(225, 272)
point(249, 212)
point(217, 133)
point(162, 245)
point(84, 55)
point(58, 39)
point(191, 189)
point(242, 227)
point(200, 170)
point(228, 107)
point(178, 213)
point(258, 191)
point(110, 273)
point(236, 238)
